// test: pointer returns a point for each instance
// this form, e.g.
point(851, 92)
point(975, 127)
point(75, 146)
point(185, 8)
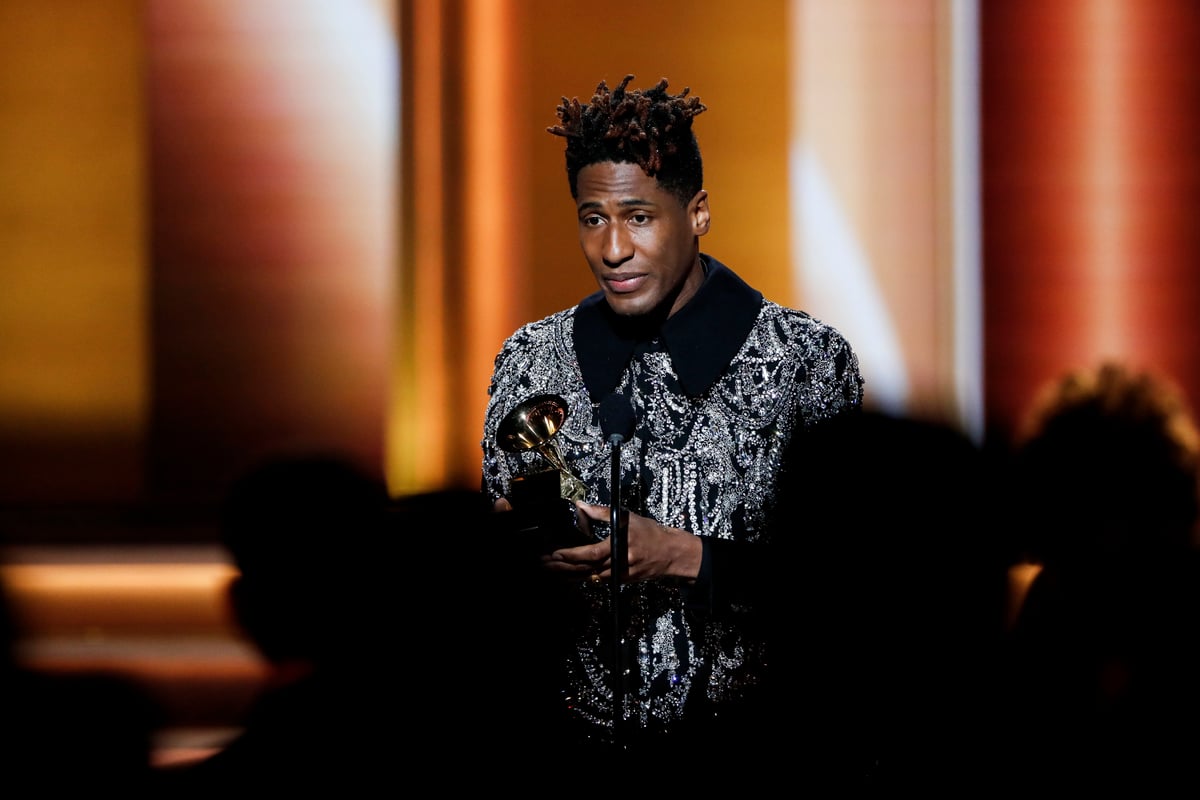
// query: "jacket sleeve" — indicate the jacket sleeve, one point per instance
point(731, 575)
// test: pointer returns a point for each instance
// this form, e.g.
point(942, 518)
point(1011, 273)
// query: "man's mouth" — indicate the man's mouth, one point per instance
point(623, 284)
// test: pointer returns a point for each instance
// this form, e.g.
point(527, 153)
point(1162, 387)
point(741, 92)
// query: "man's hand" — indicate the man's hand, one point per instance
point(655, 550)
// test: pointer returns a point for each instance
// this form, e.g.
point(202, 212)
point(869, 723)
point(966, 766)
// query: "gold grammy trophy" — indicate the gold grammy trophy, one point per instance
point(544, 499)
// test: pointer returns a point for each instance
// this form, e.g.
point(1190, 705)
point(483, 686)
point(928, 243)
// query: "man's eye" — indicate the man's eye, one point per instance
point(640, 219)
point(591, 221)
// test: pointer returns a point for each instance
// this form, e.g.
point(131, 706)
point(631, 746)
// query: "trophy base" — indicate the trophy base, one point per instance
point(542, 515)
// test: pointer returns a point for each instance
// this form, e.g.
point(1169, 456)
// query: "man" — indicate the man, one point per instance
point(718, 379)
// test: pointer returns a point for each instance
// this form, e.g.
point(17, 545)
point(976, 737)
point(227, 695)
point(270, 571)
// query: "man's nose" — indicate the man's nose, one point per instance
point(618, 246)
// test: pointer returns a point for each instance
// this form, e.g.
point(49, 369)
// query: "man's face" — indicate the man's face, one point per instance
point(640, 243)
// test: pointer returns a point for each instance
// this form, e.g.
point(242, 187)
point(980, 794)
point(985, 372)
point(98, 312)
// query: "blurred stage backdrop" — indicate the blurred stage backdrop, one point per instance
point(229, 228)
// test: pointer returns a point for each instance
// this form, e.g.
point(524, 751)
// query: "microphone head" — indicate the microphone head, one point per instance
point(616, 417)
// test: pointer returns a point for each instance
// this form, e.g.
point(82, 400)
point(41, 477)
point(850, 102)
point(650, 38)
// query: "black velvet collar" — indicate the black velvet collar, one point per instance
point(702, 337)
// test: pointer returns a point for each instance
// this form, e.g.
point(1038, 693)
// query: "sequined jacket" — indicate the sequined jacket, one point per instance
point(718, 392)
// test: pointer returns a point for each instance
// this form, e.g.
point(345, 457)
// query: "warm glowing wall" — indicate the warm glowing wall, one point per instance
point(73, 372)
point(197, 241)
point(230, 226)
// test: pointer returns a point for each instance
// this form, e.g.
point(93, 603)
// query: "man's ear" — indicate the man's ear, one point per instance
point(698, 211)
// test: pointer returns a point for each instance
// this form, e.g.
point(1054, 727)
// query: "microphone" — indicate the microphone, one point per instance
point(616, 418)
point(617, 421)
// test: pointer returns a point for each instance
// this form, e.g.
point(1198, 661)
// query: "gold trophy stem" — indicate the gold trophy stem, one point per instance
point(532, 425)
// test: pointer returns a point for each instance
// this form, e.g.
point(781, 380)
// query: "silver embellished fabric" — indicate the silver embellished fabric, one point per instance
point(703, 464)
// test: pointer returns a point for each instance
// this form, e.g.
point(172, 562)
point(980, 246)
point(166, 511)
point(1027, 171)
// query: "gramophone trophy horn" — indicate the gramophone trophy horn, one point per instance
point(532, 426)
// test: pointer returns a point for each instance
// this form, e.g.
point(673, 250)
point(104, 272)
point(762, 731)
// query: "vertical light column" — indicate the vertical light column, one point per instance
point(1091, 193)
point(464, 276)
point(965, 230)
point(419, 413)
point(876, 190)
point(495, 212)
point(273, 139)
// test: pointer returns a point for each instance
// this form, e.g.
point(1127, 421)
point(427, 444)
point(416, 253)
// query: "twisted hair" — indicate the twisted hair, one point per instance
point(650, 128)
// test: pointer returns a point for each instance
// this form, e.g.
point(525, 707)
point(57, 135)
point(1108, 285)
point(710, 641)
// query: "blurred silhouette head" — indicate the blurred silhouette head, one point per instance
point(1107, 465)
point(308, 535)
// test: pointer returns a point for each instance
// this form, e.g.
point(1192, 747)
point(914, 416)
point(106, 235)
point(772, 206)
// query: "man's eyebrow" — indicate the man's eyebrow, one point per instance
point(628, 202)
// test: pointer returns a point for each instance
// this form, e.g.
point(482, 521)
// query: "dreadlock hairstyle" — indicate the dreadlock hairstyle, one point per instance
point(650, 128)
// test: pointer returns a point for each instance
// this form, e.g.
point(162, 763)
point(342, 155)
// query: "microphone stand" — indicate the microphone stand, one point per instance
point(620, 565)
